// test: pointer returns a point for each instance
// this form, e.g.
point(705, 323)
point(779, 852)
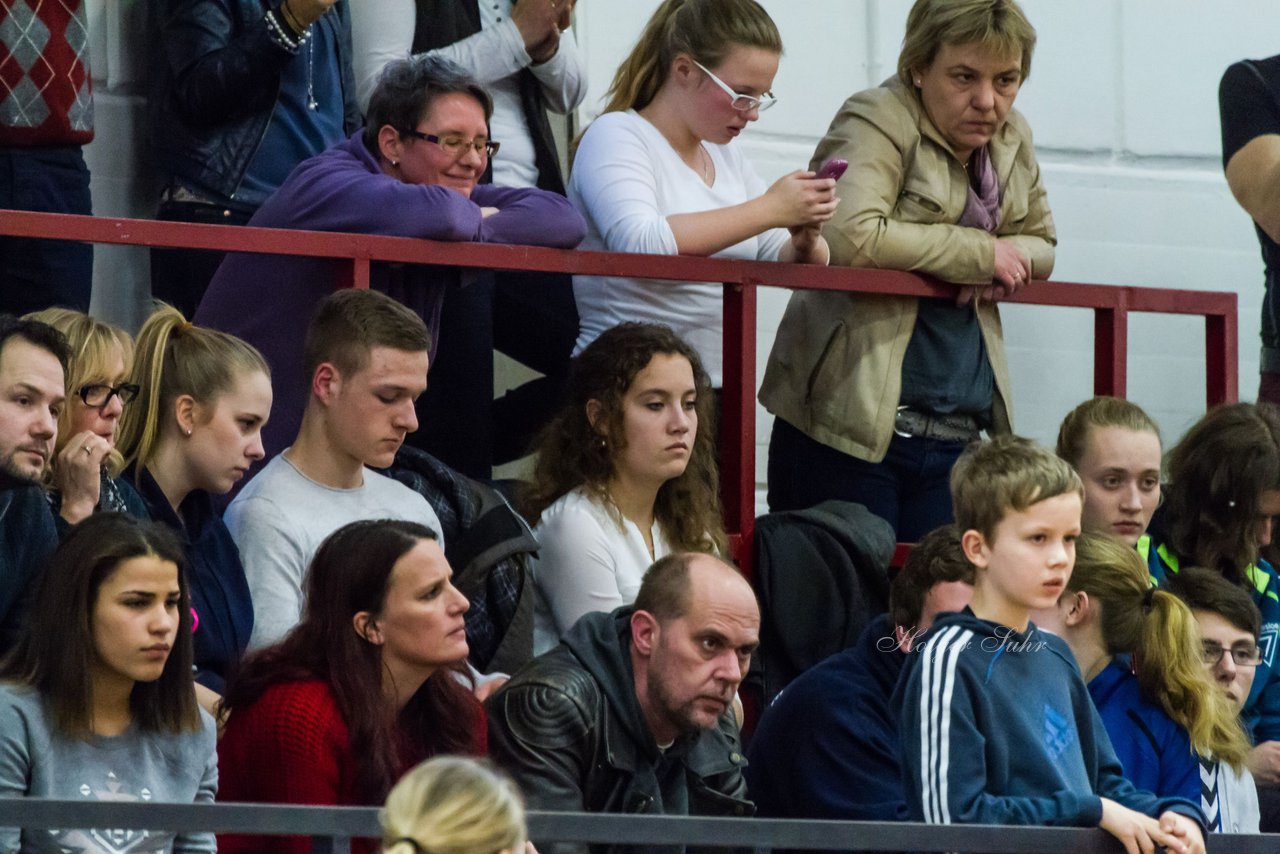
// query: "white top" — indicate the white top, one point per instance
point(626, 180)
point(279, 521)
point(382, 30)
point(586, 562)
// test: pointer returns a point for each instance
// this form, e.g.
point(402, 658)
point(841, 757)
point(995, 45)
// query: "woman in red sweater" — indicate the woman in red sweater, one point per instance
point(366, 686)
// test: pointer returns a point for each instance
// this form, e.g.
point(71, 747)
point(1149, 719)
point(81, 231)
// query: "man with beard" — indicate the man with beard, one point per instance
point(632, 712)
point(33, 361)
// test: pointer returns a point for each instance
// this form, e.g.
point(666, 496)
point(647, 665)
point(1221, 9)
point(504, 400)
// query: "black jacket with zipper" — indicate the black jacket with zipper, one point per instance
point(568, 727)
point(215, 81)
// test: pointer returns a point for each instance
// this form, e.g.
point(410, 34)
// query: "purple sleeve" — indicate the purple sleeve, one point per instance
point(335, 192)
point(527, 216)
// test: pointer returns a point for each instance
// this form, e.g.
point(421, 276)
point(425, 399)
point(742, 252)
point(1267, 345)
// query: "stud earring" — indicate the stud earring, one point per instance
point(188, 431)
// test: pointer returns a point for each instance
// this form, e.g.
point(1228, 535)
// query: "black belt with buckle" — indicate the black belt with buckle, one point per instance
point(943, 428)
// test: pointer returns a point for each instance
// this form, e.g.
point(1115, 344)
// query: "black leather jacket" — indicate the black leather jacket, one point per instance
point(214, 86)
point(568, 728)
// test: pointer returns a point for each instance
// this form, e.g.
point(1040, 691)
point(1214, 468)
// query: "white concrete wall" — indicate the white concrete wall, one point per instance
point(1123, 102)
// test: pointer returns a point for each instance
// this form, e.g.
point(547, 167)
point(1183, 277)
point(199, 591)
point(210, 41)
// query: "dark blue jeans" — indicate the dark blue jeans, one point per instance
point(36, 274)
point(910, 488)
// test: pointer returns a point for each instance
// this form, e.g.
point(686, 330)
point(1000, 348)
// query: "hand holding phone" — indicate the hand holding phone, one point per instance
point(833, 168)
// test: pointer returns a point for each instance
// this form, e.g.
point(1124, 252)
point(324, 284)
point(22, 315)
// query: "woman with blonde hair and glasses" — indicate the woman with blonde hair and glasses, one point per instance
point(876, 396)
point(83, 476)
point(454, 805)
point(660, 173)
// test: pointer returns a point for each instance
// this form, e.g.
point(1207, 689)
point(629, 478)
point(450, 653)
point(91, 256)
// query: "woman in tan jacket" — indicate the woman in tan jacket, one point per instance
point(876, 396)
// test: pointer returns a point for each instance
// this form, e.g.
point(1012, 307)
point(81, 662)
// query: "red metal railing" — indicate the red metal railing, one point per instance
point(1111, 306)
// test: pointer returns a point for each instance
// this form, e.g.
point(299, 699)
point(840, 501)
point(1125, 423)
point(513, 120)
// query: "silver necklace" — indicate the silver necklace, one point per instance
point(706, 165)
point(312, 103)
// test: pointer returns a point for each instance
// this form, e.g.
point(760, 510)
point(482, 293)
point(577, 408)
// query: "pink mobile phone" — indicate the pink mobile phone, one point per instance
point(833, 168)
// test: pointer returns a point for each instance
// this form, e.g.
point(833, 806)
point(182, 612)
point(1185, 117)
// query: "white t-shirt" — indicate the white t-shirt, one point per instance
point(626, 180)
point(585, 563)
point(279, 521)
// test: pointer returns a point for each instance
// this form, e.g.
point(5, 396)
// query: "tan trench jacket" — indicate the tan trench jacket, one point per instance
point(835, 370)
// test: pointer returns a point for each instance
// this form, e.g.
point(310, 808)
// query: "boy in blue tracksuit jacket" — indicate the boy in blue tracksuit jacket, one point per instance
point(997, 726)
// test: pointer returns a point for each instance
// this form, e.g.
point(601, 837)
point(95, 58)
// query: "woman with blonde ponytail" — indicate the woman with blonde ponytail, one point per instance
point(454, 805)
point(192, 433)
point(659, 172)
point(1139, 650)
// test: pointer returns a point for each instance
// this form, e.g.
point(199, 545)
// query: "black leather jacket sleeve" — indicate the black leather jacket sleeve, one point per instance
point(222, 62)
point(541, 734)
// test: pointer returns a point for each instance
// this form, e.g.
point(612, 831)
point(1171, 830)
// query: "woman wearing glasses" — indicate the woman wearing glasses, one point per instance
point(83, 474)
point(876, 396)
point(659, 172)
point(1139, 650)
point(412, 172)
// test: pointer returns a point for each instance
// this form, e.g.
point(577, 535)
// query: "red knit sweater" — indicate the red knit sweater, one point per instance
point(292, 747)
point(46, 93)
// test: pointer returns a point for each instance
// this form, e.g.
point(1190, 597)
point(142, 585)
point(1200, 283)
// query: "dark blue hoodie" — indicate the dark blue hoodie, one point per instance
point(827, 747)
point(997, 728)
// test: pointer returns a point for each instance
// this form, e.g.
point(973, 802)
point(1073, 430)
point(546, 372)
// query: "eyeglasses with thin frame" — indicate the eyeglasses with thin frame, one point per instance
point(741, 103)
point(99, 395)
point(456, 146)
point(1243, 656)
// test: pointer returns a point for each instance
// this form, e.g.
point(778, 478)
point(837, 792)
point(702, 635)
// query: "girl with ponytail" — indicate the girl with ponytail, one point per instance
point(193, 432)
point(659, 172)
point(1139, 650)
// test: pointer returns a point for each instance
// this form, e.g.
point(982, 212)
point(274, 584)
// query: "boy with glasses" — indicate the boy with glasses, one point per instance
point(1229, 627)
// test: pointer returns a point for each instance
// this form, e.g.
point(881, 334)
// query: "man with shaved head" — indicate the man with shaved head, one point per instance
point(632, 712)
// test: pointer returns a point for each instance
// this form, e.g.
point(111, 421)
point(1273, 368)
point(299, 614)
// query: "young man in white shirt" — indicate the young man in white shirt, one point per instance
point(366, 355)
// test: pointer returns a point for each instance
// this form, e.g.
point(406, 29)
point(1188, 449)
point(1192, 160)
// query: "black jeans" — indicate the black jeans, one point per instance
point(528, 316)
point(37, 274)
point(181, 276)
point(909, 489)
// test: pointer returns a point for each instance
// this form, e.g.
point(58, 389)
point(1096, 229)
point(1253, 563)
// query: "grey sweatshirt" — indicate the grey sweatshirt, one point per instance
point(133, 766)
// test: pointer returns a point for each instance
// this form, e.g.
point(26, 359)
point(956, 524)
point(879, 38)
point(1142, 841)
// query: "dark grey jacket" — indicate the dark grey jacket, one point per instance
point(568, 728)
point(215, 81)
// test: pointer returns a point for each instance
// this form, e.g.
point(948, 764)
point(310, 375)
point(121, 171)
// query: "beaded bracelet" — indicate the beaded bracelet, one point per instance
point(279, 31)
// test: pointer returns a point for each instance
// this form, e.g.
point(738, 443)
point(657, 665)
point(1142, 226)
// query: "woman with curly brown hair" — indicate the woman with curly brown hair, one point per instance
point(626, 474)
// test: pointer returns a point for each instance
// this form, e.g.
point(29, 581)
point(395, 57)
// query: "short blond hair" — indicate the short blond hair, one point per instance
point(453, 805)
point(1004, 474)
point(998, 25)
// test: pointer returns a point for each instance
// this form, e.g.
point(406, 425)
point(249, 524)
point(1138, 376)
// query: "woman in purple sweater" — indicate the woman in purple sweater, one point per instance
point(412, 172)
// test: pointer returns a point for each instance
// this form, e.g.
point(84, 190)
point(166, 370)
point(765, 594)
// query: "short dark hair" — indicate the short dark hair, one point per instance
point(349, 323)
point(37, 333)
point(938, 558)
point(1206, 590)
point(408, 87)
point(665, 589)
point(56, 648)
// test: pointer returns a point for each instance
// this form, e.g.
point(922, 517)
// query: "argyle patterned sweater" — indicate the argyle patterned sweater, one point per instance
point(45, 88)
